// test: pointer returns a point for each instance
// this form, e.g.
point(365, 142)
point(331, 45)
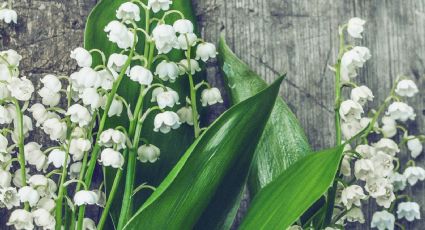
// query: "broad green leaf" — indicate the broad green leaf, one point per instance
point(287, 197)
point(283, 141)
point(225, 146)
point(172, 145)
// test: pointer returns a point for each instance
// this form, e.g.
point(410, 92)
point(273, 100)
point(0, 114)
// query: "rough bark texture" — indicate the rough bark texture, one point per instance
point(273, 36)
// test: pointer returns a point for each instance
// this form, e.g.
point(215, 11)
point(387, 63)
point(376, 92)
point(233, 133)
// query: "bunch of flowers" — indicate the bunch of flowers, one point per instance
point(35, 179)
point(373, 171)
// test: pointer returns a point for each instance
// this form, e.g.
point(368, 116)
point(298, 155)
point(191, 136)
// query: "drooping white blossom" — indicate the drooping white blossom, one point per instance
point(49, 97)
point(85, 197)
point(86, 77)
point(117, 61)
point(8, 15)
point(352, 195)
point(355, 215)
point(185, 115)
point(383, 220)
point(415, 146)
point(119, 34)
point(148, 153)
point(167, 71)
point(187, 40)
point(183, 26)
point(366, 151)
point(79, 114)
point(414, 174)
point(205, 51)
point(46, 203)
point(383, 164)
point(28, 194)
point(128, 11)
point(406, 88)
point(116, 107)
point(92, 98)
point(112, 137)
point(9, 197)
point(11, 57)
point(5, 178)
point(157, 5)
point(401, 111)
point(387, 146)
point(57, 158)
point(351, 60)
point(363, 168)
point(408, 210)
point(21, 219)
point(5, 116)
point(351, 128)
point(185, 68)
point(399, 181)
point(89, 224)
point(389, 127)
point(211, 96)
point(165, 97)
point(355, 27)
point(141, 75)
point(350, 110)
point(82, 56)
point(20, 88)
point(75, 169)
point(43, 219)
point(361, 95)
point(166, 121)
point(77, 148)
point(110, 157)
point(34, 156)
point(165, 38)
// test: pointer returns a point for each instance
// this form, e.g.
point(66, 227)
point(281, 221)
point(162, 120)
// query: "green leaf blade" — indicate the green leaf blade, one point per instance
point(187, 190)
point(284, 200)
point(283, 141)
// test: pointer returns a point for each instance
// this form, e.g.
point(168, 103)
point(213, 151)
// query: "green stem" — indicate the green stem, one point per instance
point(59, 200)
point(21, 154)
point(96, 149)
point(196, 128)
point(111, 196)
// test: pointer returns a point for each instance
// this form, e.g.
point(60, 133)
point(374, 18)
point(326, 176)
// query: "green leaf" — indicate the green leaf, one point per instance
point(287, 197)
point(179, 201)
point(283, 141)
point(172, 145)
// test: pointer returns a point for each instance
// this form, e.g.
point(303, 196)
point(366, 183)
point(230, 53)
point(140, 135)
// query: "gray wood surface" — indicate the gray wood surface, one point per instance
point(273, 36)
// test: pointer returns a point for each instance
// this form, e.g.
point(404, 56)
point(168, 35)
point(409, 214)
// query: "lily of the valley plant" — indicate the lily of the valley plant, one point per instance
point(50, 185)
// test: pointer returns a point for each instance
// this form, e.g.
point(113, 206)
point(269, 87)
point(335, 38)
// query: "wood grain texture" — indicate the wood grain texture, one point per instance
point(273, 36)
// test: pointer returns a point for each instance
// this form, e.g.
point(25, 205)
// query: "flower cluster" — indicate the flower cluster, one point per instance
point(73, 111)
point(373, 170)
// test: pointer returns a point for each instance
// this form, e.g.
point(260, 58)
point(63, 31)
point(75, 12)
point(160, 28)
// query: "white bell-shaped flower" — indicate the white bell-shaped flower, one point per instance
point(28, 194)
point(383, 164)
point(355, 27)
point(185, 115)
point(119, 34)
point(17, 177)
point(355, 215)
point(351, 60)
point(3, 144)
point(375, 186)
point(46, 203)
point(57, 158)
point(408, 210)
point(183, 26)
point(92, 98)
point(4, 91)
point(345, 166)
point(184, 66)
point(361, 95)
point(187, 40)
point(165, 38)
point(414, 174)
point(383, 220)
point(157, 5)
point(352, 195)
point(387, 146)
point(38, 180)
point(363, 168)
point(52, 83)
point(77, 148)
point(350, 128)
point(107, 77)
point(21, 219)
point(89, 224)
point(205, 51)
point(8, 15)
point(82, 56)
point(350, 110)
point(75, 169)
point(55, 128)
point(366, 151)
point(389, 127)
point(166, 121)
point(165, 97)
point(401, 111)
point(79, 114)
point(5, 178)
point(398, 180)
point(116, 62)
point(20, 88)
point(116, 108)
point(147, 153)
point(11, 57)
point(142, 75)
point(86, 77)
point(128, 11)
point(110, 157)
point(43, 219)
point(5, 116)
point(111, 137)
point(49, 97)
point(406, 88)
point(167, 71)
point(9, 197)
point(85, 197)
point(211, 96)
point(415, 146)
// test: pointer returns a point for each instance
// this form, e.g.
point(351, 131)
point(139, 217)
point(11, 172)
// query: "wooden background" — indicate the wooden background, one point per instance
point(273, 36)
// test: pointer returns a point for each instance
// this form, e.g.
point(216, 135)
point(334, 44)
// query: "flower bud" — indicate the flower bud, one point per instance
point(185, 115)
point(148, 153)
